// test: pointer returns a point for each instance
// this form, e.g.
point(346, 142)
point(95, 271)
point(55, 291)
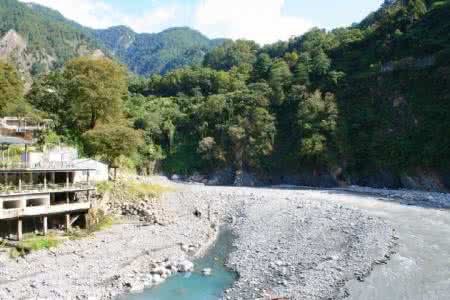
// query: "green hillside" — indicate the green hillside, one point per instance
point(156, 53)
point(46, 32)
point(52, 39)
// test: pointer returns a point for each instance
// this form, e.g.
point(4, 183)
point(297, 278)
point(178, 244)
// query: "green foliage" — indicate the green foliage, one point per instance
point(11, 90)
point(231, 54)
point(49, 94)
point(279, 79)
point(156, 53)
point(110, 141)
point(97, 88)
point(317, 117)
point(40, 242)
point(46, 31)
point(371, 96)
point(104, 187)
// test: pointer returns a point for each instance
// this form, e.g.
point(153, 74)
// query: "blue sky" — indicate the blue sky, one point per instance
point(265, 21)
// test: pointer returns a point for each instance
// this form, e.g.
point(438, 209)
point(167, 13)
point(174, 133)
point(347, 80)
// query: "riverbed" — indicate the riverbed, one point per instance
point(294, 243)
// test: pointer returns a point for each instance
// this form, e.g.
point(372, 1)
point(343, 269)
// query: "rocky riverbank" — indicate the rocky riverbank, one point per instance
point(290, 243)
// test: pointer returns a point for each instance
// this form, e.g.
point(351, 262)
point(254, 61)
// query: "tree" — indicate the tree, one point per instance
point(252, 127)
point(231, 54)
point(317, 117)
point(96, 88)
point(48, 94)
point(262, 66)
point(280, 78)
point(210, 151)
point(110, 141)
point(11, 89)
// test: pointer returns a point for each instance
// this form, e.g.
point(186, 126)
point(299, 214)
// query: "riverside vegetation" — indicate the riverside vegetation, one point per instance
point(363, 104)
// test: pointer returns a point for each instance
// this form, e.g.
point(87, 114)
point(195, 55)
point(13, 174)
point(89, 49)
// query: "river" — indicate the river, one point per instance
point(421, 268)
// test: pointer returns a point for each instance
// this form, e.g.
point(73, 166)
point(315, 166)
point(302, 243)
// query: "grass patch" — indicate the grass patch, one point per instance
point(141, 190)
point(36, 243)
point(14, 253)
point(104, 187)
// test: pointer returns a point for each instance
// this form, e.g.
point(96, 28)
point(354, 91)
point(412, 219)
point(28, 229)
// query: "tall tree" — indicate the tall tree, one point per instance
point(280, 78)
point(96, 88)
point(11, 89)
point(110, 141)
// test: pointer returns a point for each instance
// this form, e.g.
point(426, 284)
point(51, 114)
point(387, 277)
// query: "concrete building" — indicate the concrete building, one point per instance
point(24, 128)
point(36, 197)
point(100, 171)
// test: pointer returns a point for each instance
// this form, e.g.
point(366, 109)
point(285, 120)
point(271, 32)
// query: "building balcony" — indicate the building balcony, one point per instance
point(26, 189)
point(30, 211)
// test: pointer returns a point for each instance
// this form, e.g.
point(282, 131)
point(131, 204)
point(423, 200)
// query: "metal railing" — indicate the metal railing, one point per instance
point(39, 188)
point(53, 165)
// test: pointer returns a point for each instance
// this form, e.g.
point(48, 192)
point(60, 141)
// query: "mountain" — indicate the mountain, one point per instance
point(158, 52)
point(38, 38)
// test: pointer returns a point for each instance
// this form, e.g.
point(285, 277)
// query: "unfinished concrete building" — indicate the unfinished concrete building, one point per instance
point(36, 198)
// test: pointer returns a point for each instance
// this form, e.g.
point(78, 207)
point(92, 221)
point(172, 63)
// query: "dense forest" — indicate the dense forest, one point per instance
point(364, 104)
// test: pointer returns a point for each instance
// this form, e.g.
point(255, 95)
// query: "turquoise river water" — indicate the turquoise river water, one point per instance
point(195, 286)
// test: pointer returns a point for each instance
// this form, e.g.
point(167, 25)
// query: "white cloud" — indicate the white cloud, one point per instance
point(259, 20)
point(92, 13)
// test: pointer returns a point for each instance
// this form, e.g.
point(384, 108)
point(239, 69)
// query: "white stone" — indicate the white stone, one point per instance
point(207, 271)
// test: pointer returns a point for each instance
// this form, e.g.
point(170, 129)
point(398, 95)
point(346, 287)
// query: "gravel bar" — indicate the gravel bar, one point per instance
point(291, 244)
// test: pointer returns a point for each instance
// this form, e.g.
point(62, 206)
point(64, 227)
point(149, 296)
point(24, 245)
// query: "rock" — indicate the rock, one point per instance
point(185, 266)
point(197, 213)
point(137, 287)
point(175, 177)
point(207, 271)
point(157, 279)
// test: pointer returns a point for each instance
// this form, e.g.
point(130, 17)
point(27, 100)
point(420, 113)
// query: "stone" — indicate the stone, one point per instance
point(207, 271)
point(137, 287)
point(185, 266)
point(157, 279)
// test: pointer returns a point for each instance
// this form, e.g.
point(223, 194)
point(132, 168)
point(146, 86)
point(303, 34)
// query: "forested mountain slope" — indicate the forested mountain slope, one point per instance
point(38, 39)
point(367, 104)
point(156, 53)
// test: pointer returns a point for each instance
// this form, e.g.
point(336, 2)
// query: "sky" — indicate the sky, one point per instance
point(265, 21)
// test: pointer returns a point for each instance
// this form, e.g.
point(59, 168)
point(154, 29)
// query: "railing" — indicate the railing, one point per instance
point(41, 188)
point(52, 165)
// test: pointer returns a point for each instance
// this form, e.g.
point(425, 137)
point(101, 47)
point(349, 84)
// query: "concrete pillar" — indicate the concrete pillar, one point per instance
point(45, 221)
point(53, 177)
point(86, 220)
point(20, 182)
point(45, 180)
point(67, 198)
point(31, 178)
point(19, 230)
point(67, 179)
point(67, 222)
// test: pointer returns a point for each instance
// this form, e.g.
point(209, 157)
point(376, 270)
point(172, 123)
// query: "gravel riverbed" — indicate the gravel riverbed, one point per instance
point(291, 244)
